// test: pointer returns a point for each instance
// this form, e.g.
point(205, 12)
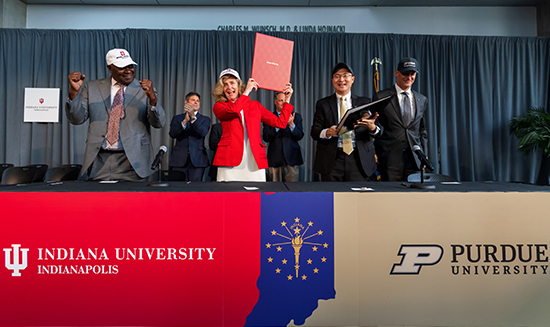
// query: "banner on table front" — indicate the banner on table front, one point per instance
point(250, 259)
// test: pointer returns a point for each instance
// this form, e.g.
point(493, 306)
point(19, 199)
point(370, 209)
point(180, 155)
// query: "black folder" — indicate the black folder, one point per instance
point(354, 114)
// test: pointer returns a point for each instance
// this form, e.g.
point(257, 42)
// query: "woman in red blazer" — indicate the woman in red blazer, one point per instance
point(241, 153)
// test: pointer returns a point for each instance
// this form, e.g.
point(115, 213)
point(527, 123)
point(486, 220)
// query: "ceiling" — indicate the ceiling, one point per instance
point(307, 3)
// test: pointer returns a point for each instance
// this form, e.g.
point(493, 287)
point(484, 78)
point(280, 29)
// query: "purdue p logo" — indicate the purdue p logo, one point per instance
point(16, 265)
point(416, 256)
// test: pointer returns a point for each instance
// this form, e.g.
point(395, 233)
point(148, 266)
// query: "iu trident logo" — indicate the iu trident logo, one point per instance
point(16, 266)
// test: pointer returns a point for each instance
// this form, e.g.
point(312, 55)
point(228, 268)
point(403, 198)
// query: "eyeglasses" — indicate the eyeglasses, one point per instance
point(345, 76)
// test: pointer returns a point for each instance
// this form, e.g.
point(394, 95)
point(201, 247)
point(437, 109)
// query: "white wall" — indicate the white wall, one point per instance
point(481, 21)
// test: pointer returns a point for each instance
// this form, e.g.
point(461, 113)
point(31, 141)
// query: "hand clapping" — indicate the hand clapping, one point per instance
point(190, 111)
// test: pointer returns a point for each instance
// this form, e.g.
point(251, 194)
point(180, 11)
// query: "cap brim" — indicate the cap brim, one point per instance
point(124, 62)
point(341, 66)
point(229, 74)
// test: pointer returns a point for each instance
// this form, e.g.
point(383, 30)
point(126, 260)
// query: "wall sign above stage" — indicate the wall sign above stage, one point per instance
point(284, 28)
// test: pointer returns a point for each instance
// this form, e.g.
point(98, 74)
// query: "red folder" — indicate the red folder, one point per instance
point(272, 62)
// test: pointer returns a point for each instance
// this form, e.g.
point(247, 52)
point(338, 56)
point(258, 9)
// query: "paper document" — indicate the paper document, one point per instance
point(272, 62)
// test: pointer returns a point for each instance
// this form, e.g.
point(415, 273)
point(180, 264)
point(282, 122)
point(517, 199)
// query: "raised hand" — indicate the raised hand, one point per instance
point(287, 90)
point(76, 80)
point(147, 86)
point(252, 84)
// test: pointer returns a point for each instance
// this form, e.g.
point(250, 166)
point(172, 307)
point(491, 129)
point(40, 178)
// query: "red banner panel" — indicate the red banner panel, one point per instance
point(163, 259)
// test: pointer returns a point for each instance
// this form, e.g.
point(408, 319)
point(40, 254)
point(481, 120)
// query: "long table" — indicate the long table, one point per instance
point(333, 187)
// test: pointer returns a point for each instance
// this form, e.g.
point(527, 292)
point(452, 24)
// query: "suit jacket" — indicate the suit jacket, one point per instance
point(213, 140)
point(327, 115)
point(93, 102)
point(230, 148)
point(283, 145)
point(215, 135)
point(396, 137)
point(189, 140)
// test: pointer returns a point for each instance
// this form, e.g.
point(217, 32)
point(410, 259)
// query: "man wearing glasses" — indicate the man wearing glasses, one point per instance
point(343, 155)
point(404, 125)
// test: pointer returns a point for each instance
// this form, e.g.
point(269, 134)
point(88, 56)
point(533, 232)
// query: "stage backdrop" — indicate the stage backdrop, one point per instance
point(475, 85)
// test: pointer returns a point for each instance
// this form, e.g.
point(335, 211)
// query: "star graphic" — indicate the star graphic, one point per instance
point(325, 245)
point(297, 219)
point(304, 277)
point(323, 259)
point(270, 259)
point(278, 271)
point(296, 230)
point(289, 277)
point(284, 261)
point(273, 232)
point(268, 246)
point(310, 223)
point(320, 232)
point(316, 270)
point(297, 266)
point(314, 249)
point(283, 223)
point(279, 249)
point(309, 261)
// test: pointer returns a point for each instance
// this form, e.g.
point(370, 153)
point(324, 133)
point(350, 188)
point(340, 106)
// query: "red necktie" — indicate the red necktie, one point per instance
point(117, 113)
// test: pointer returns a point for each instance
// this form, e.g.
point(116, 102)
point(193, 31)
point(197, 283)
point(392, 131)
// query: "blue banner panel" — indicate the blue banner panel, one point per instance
point(297, 257)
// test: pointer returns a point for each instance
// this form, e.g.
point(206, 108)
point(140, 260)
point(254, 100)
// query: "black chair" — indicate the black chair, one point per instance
point(172, 176)
point(62, 173)
point(3, 167)
point(18, 175)
point(430, 178)
point(40, 172)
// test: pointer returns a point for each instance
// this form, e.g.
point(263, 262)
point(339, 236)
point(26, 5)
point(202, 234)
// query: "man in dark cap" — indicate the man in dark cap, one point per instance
point(343, 155)
point(404, 125)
